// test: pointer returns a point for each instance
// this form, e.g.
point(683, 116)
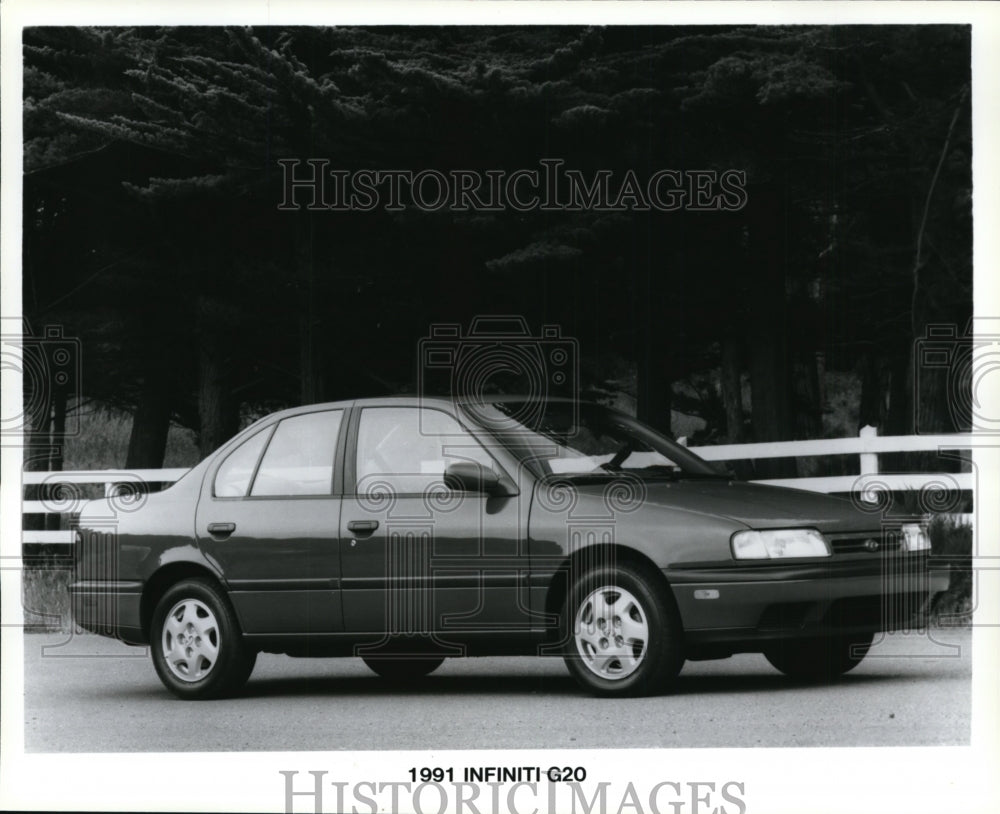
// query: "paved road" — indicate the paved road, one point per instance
point(91, 694)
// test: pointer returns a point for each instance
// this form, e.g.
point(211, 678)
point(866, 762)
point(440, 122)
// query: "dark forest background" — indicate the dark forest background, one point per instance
point(152, 230)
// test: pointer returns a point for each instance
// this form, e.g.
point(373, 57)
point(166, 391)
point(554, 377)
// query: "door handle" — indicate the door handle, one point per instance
point(362, 525)
point(221, 529)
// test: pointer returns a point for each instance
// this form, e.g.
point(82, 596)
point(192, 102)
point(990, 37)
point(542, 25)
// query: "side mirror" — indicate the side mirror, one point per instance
point(468, 476)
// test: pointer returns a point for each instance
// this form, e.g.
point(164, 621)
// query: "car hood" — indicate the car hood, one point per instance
point(759, 506)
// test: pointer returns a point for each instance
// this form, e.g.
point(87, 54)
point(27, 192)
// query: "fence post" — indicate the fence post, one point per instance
point(869, 460)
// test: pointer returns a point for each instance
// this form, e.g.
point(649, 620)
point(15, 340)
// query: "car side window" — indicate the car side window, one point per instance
point(233, 477)
point(299, 457)
point(407, 449)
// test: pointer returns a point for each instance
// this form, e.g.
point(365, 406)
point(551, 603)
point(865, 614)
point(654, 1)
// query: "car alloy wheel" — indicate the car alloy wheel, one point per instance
point(623, 635)
point(611, 632)
point(197, 646)
point(190, 640)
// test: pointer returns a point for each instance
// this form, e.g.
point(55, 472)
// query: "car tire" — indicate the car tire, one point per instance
point(623, 633)
point(197, 645)
point(403, 668)
point(821, 658)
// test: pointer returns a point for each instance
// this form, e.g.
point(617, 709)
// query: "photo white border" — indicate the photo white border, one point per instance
point(961, 779)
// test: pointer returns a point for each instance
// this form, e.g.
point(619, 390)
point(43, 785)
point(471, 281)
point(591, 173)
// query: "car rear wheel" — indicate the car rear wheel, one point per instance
point(624, 635)
point(402, 668)
point(819, 659)
point(198, 651)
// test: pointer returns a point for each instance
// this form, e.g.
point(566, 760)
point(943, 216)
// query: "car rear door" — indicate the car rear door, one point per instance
point(269, 516)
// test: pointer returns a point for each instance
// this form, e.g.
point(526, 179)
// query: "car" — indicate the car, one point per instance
point(410, 530)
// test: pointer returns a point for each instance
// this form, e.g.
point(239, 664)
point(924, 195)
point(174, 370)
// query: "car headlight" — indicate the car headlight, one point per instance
point(776, 544)
point(915, 537)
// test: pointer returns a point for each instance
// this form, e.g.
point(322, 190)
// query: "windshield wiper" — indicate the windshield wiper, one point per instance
point(682, 475)
point(676, 473)
point(587, 477)
point(615, 464)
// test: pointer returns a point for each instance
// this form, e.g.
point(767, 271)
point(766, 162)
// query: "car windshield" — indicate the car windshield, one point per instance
point(585, 440)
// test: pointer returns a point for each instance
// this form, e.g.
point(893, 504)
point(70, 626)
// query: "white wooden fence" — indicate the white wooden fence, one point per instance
point(110, 479)
point(867, 446)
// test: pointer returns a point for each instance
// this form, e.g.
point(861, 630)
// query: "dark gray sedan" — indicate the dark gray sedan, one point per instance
point(409, 530)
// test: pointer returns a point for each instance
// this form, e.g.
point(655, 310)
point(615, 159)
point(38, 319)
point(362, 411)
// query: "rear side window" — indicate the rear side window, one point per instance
point(299, 457)
point(233, 477)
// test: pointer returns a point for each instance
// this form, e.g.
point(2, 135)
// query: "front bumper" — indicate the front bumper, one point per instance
point(746, 606)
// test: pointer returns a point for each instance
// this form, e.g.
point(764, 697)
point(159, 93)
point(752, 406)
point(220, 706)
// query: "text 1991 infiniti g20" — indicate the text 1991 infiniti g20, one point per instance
point(405, 531)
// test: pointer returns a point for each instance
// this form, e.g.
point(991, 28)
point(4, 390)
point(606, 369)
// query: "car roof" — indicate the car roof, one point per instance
point(413, 401)
point(439, 402)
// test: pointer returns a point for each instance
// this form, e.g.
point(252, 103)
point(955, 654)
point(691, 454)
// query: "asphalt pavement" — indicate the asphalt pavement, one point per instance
point(87, 694)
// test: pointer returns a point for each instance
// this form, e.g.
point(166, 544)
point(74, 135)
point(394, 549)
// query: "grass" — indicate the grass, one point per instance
point(44, 596)
point(952, 539)
point(99, 441)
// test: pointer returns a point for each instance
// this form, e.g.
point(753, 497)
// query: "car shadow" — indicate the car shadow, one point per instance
point(723, 684)
point(429, 685)
point(527, 684)
point(508, 684)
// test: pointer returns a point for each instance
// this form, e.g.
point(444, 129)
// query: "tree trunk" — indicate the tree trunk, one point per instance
point(808, 414)
point(60, 399)
point(218, 411)
point(769, 382)
point(899, 420)
point(769, 363)
point(658, 341)
point(38, 452)
point(654, 371)
point(899, 416)
point(59, 404)
point(654, 395)
point(311, 357)
point(148, 440)
point(871, 411)
point(732, 390)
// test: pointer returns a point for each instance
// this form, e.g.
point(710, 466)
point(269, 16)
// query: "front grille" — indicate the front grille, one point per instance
point(867, 542)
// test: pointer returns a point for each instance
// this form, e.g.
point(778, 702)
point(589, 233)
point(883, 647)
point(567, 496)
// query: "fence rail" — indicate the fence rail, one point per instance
point(867, 446)
point(868, 483)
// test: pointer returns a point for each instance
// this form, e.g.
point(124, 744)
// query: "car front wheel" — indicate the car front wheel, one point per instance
point(198, 651)
point(819, 659)
point(624, 635)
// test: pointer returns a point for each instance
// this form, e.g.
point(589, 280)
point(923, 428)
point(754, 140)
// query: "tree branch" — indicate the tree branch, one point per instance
point(918, 260)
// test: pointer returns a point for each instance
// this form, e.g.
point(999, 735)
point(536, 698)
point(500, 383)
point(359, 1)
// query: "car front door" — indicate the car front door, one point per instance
point(269, 516)
point(419, 558)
